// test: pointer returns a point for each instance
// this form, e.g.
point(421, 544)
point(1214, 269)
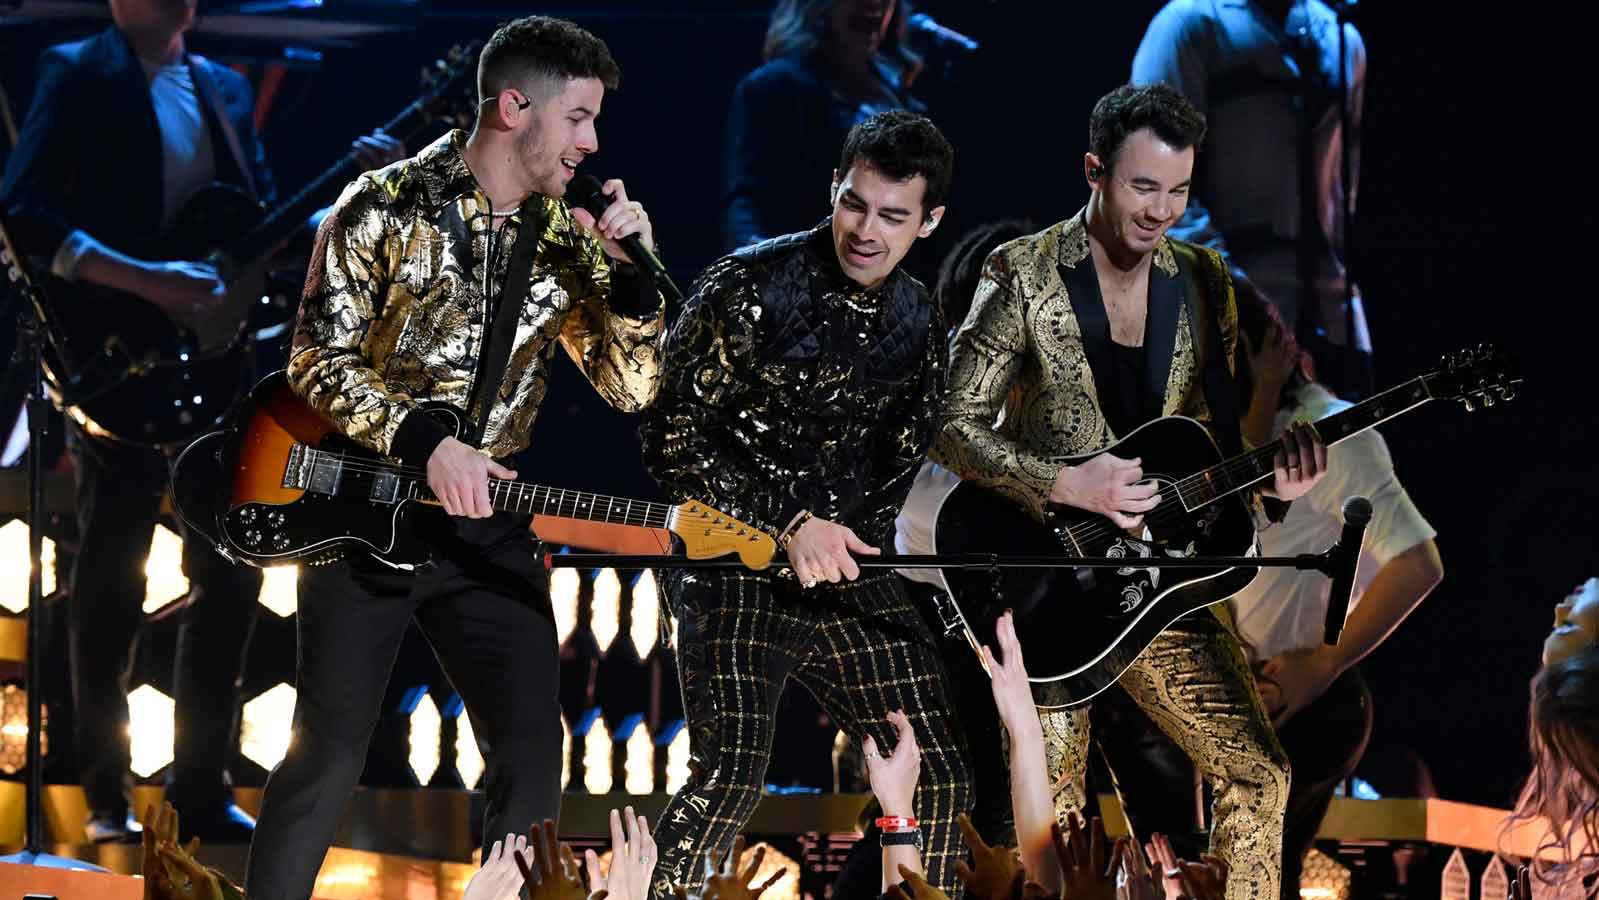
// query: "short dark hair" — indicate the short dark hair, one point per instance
point(1158, 107)
point(963, 265)
point(542, 49)
point(902, 145)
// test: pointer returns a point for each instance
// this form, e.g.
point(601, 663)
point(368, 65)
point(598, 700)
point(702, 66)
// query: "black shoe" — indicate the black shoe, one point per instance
point(226, 824)
point(113, 828)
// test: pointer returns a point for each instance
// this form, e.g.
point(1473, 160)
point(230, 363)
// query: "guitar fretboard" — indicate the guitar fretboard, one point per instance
point(332, 473)
point(1256, 465)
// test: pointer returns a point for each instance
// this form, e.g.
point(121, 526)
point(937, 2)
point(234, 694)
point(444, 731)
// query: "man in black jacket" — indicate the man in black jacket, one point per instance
point(80, 190)
point(802, 383)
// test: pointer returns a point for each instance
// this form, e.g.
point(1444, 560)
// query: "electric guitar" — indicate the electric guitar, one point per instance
point(295, 490)
point(1081, 628)
point(153, 377)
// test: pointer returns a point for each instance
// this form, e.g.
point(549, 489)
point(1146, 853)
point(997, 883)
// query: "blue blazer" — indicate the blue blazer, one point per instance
point(89, 154)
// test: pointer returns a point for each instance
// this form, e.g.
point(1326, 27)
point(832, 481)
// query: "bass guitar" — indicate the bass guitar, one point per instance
point(151, 377)
point(1081, 628)
point(295, 490)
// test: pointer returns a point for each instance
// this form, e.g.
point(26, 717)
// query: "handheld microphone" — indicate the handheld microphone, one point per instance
point(941, 35)
point(585, 191)
point(1341, 562)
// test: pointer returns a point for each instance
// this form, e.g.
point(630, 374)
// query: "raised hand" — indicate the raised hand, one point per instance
point(499, 878)
point(724, 880)
point(553, 874)
point(893, 778)
point(994, 870)
point(633, 859)
point(920, 889)
point(1086, 866)
point(1013, 694)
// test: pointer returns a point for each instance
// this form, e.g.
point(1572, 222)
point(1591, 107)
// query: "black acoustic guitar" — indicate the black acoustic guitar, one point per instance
point(149, 377)
point(1081, 628)
point(282, 486)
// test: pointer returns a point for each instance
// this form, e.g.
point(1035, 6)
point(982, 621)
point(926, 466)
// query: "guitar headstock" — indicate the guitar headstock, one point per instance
point(708, 533)
point(449, 86)
point(1478, 376)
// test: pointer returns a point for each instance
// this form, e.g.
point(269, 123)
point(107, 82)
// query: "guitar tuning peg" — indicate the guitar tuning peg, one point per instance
point(1470, 407)
point(1487, 399)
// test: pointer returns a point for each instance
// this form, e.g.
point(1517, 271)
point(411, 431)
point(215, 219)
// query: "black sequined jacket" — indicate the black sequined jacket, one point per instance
point(789, 387)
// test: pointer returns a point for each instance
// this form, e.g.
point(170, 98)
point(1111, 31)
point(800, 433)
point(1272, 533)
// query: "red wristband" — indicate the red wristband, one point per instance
point(896, 823)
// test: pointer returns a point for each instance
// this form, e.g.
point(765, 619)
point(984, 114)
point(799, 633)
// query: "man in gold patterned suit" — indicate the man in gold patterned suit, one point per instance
point(411, 267)
point(1077, 335)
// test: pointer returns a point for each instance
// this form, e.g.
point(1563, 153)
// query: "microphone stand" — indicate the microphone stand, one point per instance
point(31, 334)
point(1320, 562)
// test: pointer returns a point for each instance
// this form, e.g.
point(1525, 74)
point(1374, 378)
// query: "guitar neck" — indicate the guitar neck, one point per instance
point(517, 496)
point(288, 218)
point(1254, 466)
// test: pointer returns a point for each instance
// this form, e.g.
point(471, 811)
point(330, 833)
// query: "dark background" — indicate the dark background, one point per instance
point(1475, 224)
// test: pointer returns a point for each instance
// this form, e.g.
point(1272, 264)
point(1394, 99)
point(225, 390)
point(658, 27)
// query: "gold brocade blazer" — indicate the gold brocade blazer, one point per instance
point(399, 299)
point(1022, 396)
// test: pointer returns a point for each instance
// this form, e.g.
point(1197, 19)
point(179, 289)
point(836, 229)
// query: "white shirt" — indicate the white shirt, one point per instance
point(917, 523)
point(1285, 609)
point(188, 161)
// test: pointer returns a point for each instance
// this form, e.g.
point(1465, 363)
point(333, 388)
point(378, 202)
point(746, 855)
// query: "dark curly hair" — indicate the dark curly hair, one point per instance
point(963, 265)
point(1563, 789)
point(533, 53)
point(902, 145)
point(1157, 107)
point(1256, 314)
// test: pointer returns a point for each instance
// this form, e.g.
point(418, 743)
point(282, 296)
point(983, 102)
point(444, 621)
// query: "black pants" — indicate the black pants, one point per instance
point(1158, 786)
point(484, 605)
point(859, 647)
point(119, 492)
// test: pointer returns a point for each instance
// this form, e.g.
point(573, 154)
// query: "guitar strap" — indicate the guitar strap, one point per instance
point(507, 310)
point(207, 89)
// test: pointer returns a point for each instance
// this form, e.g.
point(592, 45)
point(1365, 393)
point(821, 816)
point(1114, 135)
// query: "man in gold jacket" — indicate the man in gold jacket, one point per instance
point(1077, 335)
point(410, 299)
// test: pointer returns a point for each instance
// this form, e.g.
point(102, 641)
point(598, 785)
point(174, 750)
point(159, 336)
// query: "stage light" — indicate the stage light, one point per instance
point(646, 627)
point(163, 570)
point(14, 729)
point(468, 758)
point(1322, 878)
point(563, 597)
point(280, 589)
point(597, 756)
point(266, 726)
point(605, 613)
point(149, 730)
point(566, 753)
point(425, 740)
point(14, 565)
point(638, 766)
point(677, 758)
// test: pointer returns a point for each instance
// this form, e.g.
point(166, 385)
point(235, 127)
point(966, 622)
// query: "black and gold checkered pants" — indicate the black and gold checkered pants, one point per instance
point(859, 647)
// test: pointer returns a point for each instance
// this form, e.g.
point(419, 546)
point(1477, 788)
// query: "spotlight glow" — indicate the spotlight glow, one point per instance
point(267, 726)
point(14, 568)
point(563, 596)
point(606, 611)
point(677, 760)
point(638, 767)
point(597, 757)
point(149, 730)
point(468, 759)
point(280, 589)
point(646, 625)
point(163, 570)
point(426, 726)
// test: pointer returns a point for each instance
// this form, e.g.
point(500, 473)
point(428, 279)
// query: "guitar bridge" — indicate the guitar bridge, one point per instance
point(294, 473)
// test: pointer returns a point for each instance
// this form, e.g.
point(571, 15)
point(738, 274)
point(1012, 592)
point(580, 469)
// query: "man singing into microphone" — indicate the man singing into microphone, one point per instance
point(801, 389)
point(1076, 336)
point(413, 296)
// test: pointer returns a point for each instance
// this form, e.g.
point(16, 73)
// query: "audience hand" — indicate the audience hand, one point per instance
point(893, 778)
point(632, 859)
point(1087, 872)
point(377, 149)
point(499, 878)
point(1013, 694)
point(553, 874)
point(994, 871)
point(724, 881)
point(171, 872)
point(920, 889)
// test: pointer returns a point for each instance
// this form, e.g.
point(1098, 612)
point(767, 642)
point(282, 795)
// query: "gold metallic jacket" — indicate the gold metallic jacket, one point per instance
point(400, 295)
point(1021, 396)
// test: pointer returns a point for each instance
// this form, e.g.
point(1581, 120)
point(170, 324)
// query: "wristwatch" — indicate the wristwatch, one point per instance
point(911, 837)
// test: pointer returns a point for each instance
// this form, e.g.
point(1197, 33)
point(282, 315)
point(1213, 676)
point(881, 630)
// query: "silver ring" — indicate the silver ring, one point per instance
point(811, 583)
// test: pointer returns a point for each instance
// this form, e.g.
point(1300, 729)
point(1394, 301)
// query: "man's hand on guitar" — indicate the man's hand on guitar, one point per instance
point(1299, 464)
point(182, 287)
point(459, 476)
point(820, 551)
point(1107, 485)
